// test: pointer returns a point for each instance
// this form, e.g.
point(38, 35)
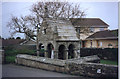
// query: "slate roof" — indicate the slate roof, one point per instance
point(107, 34)
point(65, 30)
point(93, 22)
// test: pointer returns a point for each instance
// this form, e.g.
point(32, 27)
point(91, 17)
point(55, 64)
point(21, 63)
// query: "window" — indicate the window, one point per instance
point(101, 29)
point(100, 44)
point(91, 29)
point(109, 44)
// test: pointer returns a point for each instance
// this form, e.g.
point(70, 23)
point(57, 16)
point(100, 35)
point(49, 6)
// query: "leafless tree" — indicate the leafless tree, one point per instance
point(40, 11)
point(21, 25)
point(57, 9)
point(28, 23)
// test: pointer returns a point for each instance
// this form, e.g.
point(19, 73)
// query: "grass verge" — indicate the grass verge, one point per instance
point(109, 62)
point(10, 59)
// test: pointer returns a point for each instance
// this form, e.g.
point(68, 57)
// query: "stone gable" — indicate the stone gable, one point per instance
point(57, 32)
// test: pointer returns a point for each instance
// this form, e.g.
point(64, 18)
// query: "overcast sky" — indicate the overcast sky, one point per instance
point(107, 11)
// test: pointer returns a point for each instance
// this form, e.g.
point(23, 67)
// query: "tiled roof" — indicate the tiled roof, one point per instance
point(107, 34)
point(88, 22)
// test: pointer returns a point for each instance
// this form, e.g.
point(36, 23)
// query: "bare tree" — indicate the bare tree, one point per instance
point(21, 25)
point(40, 11)
point(28, 23)
point(57, 9)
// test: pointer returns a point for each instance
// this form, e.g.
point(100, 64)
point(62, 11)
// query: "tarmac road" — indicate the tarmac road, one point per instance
point(11, 70)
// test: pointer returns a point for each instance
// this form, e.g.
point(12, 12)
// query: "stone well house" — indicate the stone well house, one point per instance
point(62, 38)
point(59, 38)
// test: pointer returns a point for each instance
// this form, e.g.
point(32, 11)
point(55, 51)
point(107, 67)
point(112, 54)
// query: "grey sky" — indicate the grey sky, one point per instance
point(107, 11)
point(13, 9)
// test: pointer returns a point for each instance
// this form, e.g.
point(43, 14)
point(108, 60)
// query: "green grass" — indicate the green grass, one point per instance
point(10, 54)
point(15, 52)
point(10, 59)
point(109, 62)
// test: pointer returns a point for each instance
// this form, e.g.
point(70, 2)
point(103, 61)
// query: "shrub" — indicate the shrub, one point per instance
point(106, 53)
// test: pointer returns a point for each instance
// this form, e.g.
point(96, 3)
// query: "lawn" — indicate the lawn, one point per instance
point(109, 62)
point(10, 53)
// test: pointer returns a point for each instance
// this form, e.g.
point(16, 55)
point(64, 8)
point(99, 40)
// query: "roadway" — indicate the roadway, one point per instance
point(12, 70)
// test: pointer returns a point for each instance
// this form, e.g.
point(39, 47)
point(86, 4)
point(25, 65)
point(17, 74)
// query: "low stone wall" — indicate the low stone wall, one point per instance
point(91, 59)
point(41, 62)
point(81, 66)
point(93, 69)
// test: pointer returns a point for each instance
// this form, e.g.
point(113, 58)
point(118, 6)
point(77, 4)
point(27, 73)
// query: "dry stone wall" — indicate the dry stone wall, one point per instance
point(41, 62)
point(81, 66)
point(93, 70)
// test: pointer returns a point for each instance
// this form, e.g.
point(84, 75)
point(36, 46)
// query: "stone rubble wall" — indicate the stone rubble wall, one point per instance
point(92, 59)
point(41, 62)
point(81, 66)
point(93, 70)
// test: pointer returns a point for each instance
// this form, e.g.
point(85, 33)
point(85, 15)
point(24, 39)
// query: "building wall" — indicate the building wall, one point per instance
point(83, 36)
point(98, 29)
point(106, 28)
point(89, 45)
point(101, 43)
point(106, 42)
